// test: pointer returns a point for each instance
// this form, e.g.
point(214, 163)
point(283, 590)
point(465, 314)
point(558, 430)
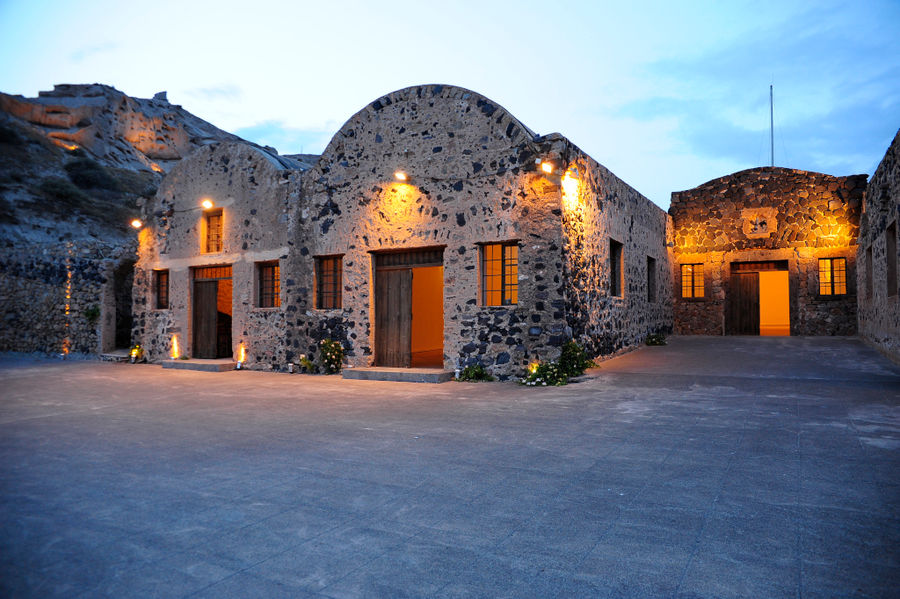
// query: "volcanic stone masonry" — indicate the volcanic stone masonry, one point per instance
point(763, 215)
point(879, 307)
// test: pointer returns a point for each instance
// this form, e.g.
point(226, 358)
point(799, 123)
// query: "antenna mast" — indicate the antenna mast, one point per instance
point(771, 126)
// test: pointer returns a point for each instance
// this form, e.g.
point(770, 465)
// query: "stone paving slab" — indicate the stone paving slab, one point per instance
point(712, 467)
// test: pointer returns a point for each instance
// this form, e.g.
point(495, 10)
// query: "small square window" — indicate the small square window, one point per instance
point(692, 280)
point(500, 274)
point(214, 226)
point(161, 289)
point(832, 276)
point(269, 284)
point(328, 282)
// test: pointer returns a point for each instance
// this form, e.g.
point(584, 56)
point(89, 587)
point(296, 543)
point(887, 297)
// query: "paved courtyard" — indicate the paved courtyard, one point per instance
point(713, 467)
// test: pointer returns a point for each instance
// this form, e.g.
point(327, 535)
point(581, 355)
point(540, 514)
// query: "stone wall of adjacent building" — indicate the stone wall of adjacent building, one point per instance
point(60, 299)
point(879, 304)
point(598, 207)
point(768, 214)
point(259, 196)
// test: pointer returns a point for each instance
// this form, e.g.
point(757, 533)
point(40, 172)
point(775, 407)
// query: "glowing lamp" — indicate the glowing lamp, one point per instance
point(533, 367)
point(207, 204)
point(401, 176)
point(547, 167)
point(136, 223)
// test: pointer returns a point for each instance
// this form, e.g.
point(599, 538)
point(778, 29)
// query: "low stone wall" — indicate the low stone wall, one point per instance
point(761, 215)
point(57, 299)
point(879, 310)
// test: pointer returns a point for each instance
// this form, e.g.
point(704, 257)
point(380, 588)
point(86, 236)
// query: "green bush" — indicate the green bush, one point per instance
point(543, 374)
point(62, 191)
point(332, 356)
point(475, 373)
point(92, 314)
point(87, 174)
point(656, 339)
point(573, 360)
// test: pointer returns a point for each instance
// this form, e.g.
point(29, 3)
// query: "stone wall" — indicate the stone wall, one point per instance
point(879, 311)
point(767, 214)
point(259, 197)
point(59, 299)
point(598, 207)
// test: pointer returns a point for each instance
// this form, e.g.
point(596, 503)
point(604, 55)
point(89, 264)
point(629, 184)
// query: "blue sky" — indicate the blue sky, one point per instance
point(667, 95)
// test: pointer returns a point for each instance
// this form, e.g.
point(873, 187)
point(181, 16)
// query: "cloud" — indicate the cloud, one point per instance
point(86, 52)
point(227, 91)
point(287, 140)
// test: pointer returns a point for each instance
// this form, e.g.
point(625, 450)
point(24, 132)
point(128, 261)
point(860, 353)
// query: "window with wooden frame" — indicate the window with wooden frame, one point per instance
point(890, 251)
point(328, 282)
point(616, 268)
point(651, 279)
point(214, 231)
point(161, 289)
point(832, 276)
point(692, 281)
point(500, 274)
point(268, 276)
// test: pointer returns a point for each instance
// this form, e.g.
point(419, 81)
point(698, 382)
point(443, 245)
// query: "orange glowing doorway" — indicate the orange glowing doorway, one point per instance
point(409, 308)
point(212, 290)
point(758, 299)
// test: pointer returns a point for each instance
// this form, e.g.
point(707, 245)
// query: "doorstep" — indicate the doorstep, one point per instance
point(221, 365)
point(403, 375)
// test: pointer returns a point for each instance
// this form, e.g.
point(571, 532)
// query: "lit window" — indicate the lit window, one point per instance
point(269, 276)
point(692, 280)
point(213, 231)
point(500, 274)
point(616, 270)
point(161, 289)
point(832, 276)
point(328, 282)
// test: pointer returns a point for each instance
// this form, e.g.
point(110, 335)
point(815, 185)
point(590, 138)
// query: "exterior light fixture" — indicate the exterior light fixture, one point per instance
point(136, 223)
point(547, 166)
point(207, 204)
point(401, 176)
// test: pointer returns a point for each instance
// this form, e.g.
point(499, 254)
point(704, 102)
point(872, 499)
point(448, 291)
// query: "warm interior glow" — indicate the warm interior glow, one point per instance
point(175, 352)
point(401, 176)
point(136, 223)
point(774, 309)
point(207, 204)
point(427, 328)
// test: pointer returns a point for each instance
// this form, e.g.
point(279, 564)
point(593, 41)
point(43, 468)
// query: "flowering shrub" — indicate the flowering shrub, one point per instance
point(332, 356)
point(474, 373)
point(573, 361)
point(542, 374)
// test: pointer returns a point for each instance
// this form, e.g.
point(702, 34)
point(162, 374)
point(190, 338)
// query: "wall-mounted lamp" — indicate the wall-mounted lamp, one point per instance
point(207, 204)
point(136, 223)
point(401, 176)
point(547, 167)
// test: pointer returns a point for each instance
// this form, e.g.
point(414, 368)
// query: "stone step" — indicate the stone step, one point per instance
point(403, 375)
point(221, 365)
point(117, 355)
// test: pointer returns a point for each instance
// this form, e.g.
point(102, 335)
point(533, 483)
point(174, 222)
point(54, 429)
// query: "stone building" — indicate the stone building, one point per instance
point(768, 251)
point(434, 230)
point(879, 307)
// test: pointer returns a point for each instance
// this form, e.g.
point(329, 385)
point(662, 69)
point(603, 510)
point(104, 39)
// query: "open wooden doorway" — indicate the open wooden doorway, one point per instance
point(409, 308)
point(758, 299)
point(211, 305)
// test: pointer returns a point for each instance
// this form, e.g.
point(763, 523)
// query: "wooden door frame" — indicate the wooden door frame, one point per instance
point(223, 272)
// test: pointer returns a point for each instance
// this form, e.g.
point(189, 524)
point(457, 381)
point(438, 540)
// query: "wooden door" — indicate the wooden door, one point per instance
point(743, 304)
point(393, 317)
point(205, 319)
